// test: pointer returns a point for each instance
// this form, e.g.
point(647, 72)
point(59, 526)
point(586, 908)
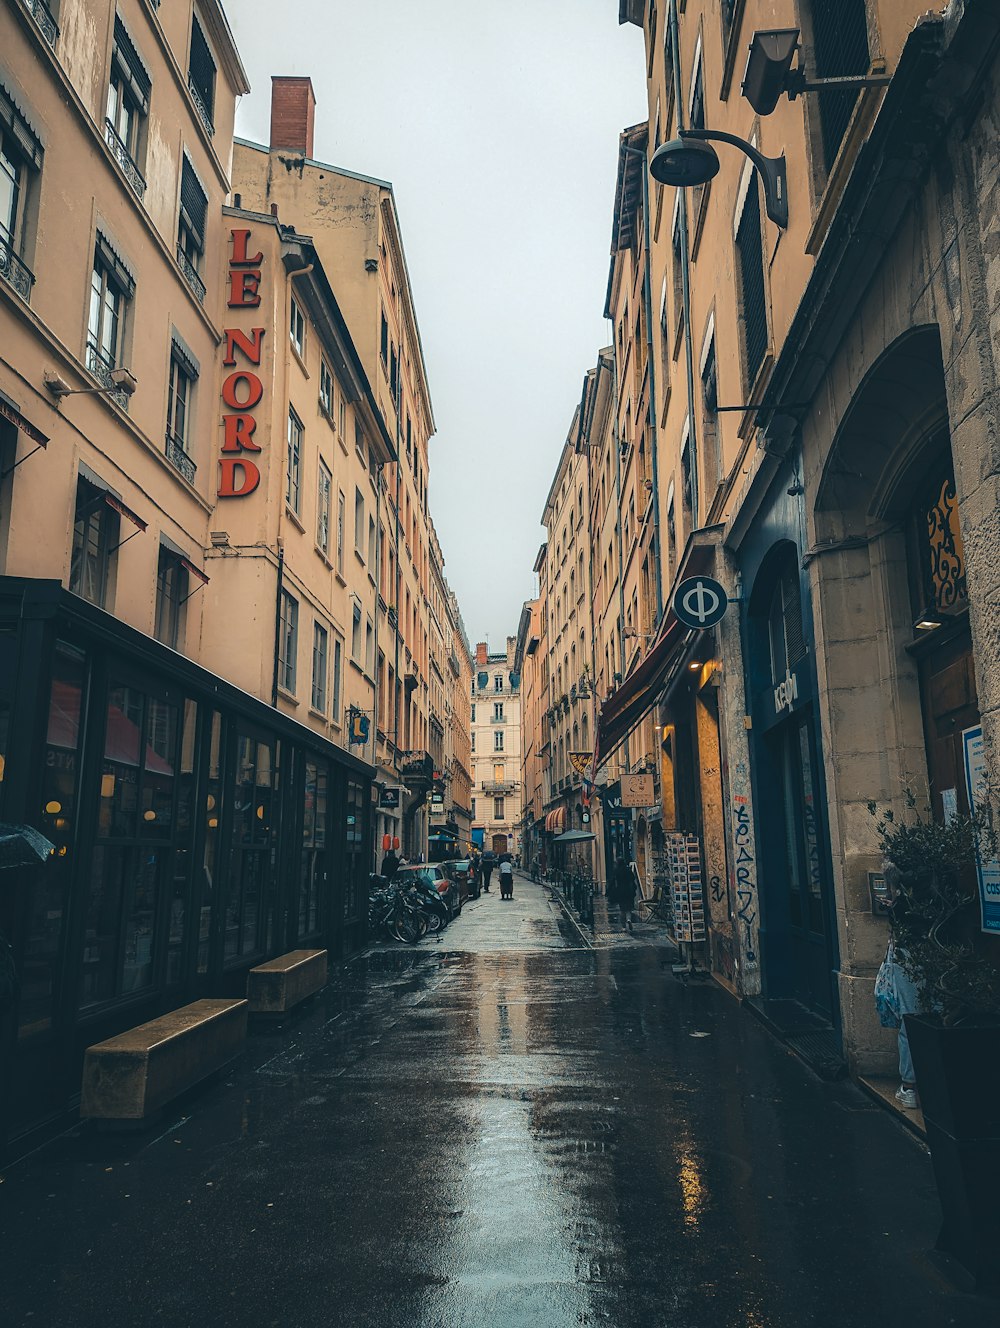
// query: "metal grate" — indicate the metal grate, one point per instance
point(840, 46)
point(753, 304)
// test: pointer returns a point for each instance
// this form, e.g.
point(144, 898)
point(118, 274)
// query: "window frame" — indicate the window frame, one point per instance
point(293, 463)
point(288, 643)
point(324, 506)
point(320, 667)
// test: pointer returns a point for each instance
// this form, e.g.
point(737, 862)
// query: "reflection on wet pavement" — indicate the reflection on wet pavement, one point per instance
point(453, 1138)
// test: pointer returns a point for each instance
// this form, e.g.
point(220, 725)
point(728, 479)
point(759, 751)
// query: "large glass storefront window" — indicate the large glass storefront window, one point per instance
point(135, 834)
point(180, 874)
point(210, 850)
point(255, 813)
point(354, 862)
point(313, 870)
point(48, 890)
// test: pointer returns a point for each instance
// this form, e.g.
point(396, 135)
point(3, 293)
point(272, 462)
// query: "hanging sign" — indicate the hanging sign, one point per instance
point(388, 798)
point(700, 602)
point(242, 389)
point(637, 790)
point(976, 786)
point(580, 761)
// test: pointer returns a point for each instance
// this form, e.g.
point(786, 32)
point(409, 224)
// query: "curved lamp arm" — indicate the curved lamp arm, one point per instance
point(771, 170)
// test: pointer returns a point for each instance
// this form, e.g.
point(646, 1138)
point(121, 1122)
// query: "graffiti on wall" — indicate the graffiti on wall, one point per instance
point(744, 873)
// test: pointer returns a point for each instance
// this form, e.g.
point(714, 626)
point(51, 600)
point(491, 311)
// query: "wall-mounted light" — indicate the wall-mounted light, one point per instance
point(769, 73)
point(690, 160)
point(695, 665)
point(928, 622)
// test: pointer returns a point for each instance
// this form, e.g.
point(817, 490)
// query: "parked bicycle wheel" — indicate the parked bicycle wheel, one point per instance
point(407, 925)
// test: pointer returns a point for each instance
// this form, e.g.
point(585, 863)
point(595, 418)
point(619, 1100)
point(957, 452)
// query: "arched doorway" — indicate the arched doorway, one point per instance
point(798, 932)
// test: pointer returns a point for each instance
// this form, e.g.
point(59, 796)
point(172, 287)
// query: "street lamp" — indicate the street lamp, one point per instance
point(690, 160)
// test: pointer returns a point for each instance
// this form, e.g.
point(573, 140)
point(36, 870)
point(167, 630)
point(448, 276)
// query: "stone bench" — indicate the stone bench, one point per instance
point(130, 1077)
point(279, 985)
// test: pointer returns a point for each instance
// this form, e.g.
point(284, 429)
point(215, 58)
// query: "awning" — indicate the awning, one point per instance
point(116, 505)
point(556, 820)
point(10, 412)
point(641, 689)
point(575, 837)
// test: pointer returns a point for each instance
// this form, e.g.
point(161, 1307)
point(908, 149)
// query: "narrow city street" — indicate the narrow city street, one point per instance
point(507, 1128)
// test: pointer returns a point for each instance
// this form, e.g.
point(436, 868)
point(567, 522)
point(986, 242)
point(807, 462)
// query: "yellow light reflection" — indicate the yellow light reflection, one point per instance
point(692, 1188)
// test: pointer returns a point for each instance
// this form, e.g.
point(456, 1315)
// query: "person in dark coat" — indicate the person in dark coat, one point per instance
point(390, 865)
point(623, 890)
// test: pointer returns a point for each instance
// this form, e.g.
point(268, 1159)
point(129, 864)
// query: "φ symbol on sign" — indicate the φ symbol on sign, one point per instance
point(700, 602)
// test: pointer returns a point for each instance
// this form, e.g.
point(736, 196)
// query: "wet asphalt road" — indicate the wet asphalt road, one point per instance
point(505, 1129)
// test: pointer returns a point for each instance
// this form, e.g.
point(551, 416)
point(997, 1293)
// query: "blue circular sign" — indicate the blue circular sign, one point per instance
point(700, 602)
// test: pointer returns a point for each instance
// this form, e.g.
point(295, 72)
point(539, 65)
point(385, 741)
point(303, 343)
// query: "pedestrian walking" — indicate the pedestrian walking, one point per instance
point(390, 865)
point(623, 888)
point(487, 872)
point(896, 993)
point(506, 879)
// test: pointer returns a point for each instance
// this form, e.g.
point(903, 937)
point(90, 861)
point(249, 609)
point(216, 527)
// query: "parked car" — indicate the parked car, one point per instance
point(460, 871)
point(434, 873)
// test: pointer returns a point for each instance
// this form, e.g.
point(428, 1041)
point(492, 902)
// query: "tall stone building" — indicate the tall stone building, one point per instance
point(496, 749)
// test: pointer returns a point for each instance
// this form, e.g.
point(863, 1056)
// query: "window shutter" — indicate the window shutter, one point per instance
point(194, 203)
point(202, 66)
point(131, 67)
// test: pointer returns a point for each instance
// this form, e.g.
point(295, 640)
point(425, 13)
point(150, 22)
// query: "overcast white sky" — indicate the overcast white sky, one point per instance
point(497, 122)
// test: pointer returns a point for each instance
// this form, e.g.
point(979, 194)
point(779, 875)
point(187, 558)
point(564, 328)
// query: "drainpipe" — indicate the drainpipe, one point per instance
point(618, 520)
point(675, 57)
point(277, 619)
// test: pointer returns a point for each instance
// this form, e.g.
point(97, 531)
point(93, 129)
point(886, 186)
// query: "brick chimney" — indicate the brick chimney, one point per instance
point(482, 651)
point(293, 114)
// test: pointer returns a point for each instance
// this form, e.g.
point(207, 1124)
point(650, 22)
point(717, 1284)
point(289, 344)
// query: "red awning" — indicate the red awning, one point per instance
point(640, 691)
point(10, 412)
point(555, 821)
point(116, 504)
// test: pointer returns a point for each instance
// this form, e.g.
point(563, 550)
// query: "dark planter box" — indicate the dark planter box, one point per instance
point(958, 1079)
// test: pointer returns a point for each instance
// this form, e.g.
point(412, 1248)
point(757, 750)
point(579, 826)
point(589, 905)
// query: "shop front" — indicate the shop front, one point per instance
point(197, 832)
point(798, 937)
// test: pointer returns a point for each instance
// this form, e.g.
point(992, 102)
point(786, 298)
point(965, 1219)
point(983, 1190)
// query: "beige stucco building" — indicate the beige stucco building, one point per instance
point(497, 790)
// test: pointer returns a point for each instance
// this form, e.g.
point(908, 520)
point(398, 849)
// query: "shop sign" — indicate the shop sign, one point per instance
point(637, 790)
point(786, 693)
point(242, 388)
point(977, 787)
point(389, 798)
point(700, 602)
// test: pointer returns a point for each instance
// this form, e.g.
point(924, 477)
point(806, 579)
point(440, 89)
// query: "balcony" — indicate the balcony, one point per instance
point(498, 787)
point(191, 275)
point(101, 370)
point(200, 107)
point(179, 459)
point(15, 273)
point(124, 159)
point(42, 15)
point(416, 769)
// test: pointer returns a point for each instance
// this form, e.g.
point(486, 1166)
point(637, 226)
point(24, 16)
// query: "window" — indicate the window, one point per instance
point(325, 388)
point(324, 490)
point(710, 419)
point(498, 682)
point(171, 591)
point(498, 772)
point(750, 272)
point(321, 640)
point(393, 372)
point(111, 288)
point(498, 809)
point(384, 341)
point(677, 269)
point(183, 373)
point(191, 227)
point(369, 648)
point(288, 643)
point(473, 736)
point(498, 712)
point(20, 156)
point(359, 439)
point(341, 520)
point(473, 809)
point(297, 328)
point(95, 534)
point(473, 714)
point(357, 636)
point(342, 419)
point(372, 548)
point(201, 76)
point(359, 524)
point(294, 474)
point(839, 40)
point(498, 740)
point(128, 106)
point(338, 658)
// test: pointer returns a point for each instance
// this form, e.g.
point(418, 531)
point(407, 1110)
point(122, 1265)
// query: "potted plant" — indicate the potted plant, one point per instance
point(955, 1041)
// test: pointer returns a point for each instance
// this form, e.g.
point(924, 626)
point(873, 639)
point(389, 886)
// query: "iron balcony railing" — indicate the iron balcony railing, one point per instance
point(500, 786)
point(178, 457)
point(42, 15)
point(124, 159)
point(15, 273)
point(200, 107)
point(191, 275)
point(101, 370)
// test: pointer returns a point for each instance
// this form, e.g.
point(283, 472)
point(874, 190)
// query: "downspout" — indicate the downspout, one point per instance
point(685, 274)
point(618, 520)
point(378, 513)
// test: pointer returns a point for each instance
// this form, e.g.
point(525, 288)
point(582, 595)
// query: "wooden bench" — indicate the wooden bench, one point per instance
point(130, 1077)
point(279, 985)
